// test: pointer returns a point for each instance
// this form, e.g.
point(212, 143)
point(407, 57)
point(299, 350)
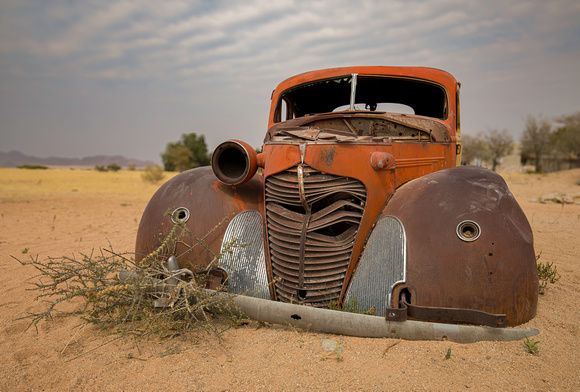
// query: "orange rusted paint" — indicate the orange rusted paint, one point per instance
point(215, 186)
point(238, 200)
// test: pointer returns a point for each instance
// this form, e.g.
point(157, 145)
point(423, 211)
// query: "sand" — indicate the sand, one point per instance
point(65, 212)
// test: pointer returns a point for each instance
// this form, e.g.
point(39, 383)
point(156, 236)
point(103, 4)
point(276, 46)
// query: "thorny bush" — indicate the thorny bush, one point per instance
point(118, 294)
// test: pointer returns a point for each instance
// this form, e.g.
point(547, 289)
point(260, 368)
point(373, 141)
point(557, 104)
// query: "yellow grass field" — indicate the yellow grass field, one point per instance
point(60, 212)
point(38, 183)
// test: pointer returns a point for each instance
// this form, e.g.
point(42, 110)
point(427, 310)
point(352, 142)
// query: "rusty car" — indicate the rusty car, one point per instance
point(357, 199)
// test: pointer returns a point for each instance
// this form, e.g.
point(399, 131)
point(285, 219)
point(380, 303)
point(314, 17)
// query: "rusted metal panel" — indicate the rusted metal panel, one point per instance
point(211, 205)
point(446, 315)
point(363, 126)
point(495, 273)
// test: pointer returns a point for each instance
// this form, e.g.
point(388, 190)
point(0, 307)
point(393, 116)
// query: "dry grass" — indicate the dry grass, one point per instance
point(21, 182)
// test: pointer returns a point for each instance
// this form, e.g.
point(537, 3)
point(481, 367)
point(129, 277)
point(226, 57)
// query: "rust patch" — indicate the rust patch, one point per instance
point(328, 154)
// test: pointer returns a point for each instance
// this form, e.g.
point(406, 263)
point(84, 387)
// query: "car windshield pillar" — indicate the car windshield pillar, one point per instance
point(353, 91)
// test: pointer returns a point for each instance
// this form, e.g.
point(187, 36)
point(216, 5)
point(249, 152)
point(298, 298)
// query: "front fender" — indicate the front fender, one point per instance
point(452, 242)
point(205, 205)
point(469, 244)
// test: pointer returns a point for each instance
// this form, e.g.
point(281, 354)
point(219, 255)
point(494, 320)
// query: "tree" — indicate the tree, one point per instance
point(536, 139)
point(498, 145)
point(177, 157)
point(566, 139)
point(188, 152)
point(474, 149)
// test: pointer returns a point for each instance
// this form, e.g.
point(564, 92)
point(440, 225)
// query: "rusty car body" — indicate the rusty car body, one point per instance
point(360, 202)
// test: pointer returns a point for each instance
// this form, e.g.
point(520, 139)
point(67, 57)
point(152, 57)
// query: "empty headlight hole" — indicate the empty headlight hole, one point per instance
point(468, 231)
point(232, 162)
point(180, 215)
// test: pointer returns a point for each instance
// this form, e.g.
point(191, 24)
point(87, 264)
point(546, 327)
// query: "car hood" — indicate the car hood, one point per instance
point(354, 126)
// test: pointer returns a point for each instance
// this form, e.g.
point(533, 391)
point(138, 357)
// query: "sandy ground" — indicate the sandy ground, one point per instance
point(56, 218)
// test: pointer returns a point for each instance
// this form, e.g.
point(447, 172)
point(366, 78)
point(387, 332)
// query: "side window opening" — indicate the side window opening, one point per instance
point(284, 111)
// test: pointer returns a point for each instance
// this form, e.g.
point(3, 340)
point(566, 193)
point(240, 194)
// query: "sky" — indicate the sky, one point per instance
point(82, 78)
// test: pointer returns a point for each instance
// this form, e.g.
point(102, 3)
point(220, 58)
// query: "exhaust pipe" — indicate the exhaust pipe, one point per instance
point(234, 162)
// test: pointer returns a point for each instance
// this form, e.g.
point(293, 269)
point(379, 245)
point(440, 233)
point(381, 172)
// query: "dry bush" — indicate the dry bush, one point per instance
point(122, 296)
point(153, 174)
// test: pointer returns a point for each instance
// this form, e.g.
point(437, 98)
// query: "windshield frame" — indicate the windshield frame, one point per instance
point(427, 98)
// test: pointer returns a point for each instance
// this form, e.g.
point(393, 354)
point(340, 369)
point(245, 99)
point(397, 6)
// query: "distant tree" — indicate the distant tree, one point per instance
point(498, 145)
point(188, 152)
point(177, 157)
point(474, 149)
point(566, 139)
point(32, 167)
point(536, 139)
point(113, 167)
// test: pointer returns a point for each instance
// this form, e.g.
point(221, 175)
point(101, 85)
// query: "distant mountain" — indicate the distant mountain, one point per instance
point(16, 158)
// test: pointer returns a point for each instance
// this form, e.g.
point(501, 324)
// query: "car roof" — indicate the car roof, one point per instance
point(429, 74)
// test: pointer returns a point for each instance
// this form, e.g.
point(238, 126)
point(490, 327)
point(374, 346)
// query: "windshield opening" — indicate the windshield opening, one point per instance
point(373, 93)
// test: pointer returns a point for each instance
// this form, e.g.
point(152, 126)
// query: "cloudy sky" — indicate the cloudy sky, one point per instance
point(80, 78)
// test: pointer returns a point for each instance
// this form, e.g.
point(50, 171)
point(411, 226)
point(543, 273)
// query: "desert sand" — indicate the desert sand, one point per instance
point(68, 212)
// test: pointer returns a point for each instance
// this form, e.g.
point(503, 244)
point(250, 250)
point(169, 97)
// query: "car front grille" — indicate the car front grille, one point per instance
point(313, 220)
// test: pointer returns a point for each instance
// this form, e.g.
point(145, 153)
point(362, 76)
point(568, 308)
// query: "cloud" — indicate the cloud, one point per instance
point(193, 38)
point(201, 58)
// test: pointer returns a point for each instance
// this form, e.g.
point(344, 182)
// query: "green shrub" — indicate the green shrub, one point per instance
point(547, 273)
point(113, 167)
point(33, 167)
point(531, 346)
